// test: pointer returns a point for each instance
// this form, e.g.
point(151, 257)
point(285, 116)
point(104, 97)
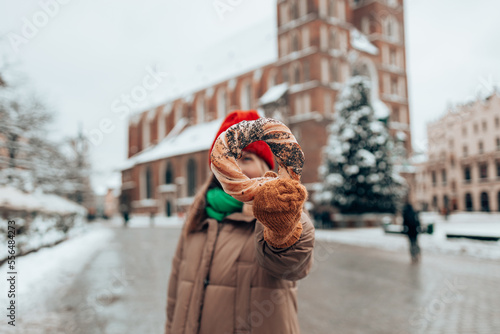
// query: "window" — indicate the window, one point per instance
point(332, 8)
point(284, 73)
point(334, 71)
point(434, 179)
point(169, 174)
point(481, 148)
point(475, 128)
point(305, 37)
point(200, 109)
point(498, 201)
point(306, 71)
point(391, 28)
point(221, 103)
point(434, 202)
point(498, 168)
point(246, 95)
point(328, 103)
point(485, 202)
point(296, 74)
point(443, 176)
point(394, 86)
point(191, 173)
point(333, 39)
point(467, 174)
point(303, 7)
point(146, 134)
point(468, 202)
point(271, 79)
point(392, 57)
point(295, 10)
point(498, 143)
point(465, 151)
point(149, 182)
point(395, 114)
point(483, 171)
point(324, 71)
point(497, 122)
point(295, 42)
point(365, 25)
point(484, 126)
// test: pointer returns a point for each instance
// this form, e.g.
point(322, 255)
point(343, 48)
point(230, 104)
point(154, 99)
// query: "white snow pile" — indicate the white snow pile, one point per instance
point(478, 224)
point(360, 42)
point(15, 199)
point(274, 93)
point(44, 274)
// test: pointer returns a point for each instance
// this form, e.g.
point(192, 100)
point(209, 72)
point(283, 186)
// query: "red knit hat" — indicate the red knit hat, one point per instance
point(259, 148)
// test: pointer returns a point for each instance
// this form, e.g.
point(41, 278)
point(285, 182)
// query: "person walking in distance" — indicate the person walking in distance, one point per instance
point(229, 274)
point(411, 225)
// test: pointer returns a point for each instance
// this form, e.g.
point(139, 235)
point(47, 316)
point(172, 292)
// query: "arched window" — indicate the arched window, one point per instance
point(295, 41)
point(485, 202)
point(149, 182)
point(271, 79)
point(221, 103)
point(498, 201)
point(332, 8)
point(334, 69)
point(146, 133)
point(169, 174)
point(468, 202)
point(246, 95)
point(191, 177)
point(391, 28)
point(200, 109)
point(168, 209)
point(333, 39)
point(294, 10)
point(296, 74)
point(178, 113)
point(365, 25)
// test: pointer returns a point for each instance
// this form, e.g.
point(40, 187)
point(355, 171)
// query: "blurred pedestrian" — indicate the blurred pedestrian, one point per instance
point(232, 273)
point(411, 225)
point(125, 209)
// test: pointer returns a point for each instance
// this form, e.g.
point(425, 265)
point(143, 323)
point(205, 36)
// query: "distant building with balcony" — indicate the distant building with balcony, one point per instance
point(463, 167)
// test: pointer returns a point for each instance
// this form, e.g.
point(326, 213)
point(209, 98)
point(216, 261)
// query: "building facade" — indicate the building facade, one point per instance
point(321, 43)
point(463, 167)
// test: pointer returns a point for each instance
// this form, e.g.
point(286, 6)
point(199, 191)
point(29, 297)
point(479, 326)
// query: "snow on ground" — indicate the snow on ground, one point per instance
point(465, 223)
point(140, 221)
point(43, 274)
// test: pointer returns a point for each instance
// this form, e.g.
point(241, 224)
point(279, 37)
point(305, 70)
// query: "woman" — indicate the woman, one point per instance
point(231, 272)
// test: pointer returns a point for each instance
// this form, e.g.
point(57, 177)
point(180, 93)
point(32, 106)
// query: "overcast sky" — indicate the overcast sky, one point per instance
point(89, 53)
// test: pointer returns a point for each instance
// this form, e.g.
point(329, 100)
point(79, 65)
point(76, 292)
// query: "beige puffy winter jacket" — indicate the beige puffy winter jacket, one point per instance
point(226, 279)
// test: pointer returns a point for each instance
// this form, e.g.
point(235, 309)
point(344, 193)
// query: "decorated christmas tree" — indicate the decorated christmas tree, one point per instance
point(357, 172)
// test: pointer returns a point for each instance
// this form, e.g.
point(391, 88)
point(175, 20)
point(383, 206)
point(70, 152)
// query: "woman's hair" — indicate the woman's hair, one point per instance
point(196, 213)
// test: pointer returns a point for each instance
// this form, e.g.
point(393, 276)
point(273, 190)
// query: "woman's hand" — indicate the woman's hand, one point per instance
point(278, 206)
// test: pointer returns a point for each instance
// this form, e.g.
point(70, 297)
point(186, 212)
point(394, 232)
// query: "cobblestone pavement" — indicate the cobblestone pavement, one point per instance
point(349, 290)
point(362, 290)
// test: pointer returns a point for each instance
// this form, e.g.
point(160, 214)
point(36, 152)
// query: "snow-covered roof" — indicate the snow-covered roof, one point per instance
point(274, 93)
point(14, 199)
point(360, 42)
point(192, 139)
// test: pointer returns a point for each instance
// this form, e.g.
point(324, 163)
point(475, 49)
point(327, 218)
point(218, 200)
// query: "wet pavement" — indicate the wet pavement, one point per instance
point(349, 290)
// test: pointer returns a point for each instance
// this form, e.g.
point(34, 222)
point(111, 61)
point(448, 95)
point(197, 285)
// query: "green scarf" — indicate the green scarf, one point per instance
point(219, 204)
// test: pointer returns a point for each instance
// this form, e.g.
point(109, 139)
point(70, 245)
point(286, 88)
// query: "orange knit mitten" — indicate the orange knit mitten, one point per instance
point(278, 206)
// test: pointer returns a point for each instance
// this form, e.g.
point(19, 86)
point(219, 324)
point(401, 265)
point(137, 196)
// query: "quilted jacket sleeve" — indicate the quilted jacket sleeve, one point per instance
point(172, 284)
point(292, 263)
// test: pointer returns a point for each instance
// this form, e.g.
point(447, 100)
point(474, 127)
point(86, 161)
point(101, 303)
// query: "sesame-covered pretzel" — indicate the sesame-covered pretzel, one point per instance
point(230, 143)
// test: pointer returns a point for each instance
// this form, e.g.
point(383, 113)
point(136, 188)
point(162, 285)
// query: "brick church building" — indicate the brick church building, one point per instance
point(321, 43)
